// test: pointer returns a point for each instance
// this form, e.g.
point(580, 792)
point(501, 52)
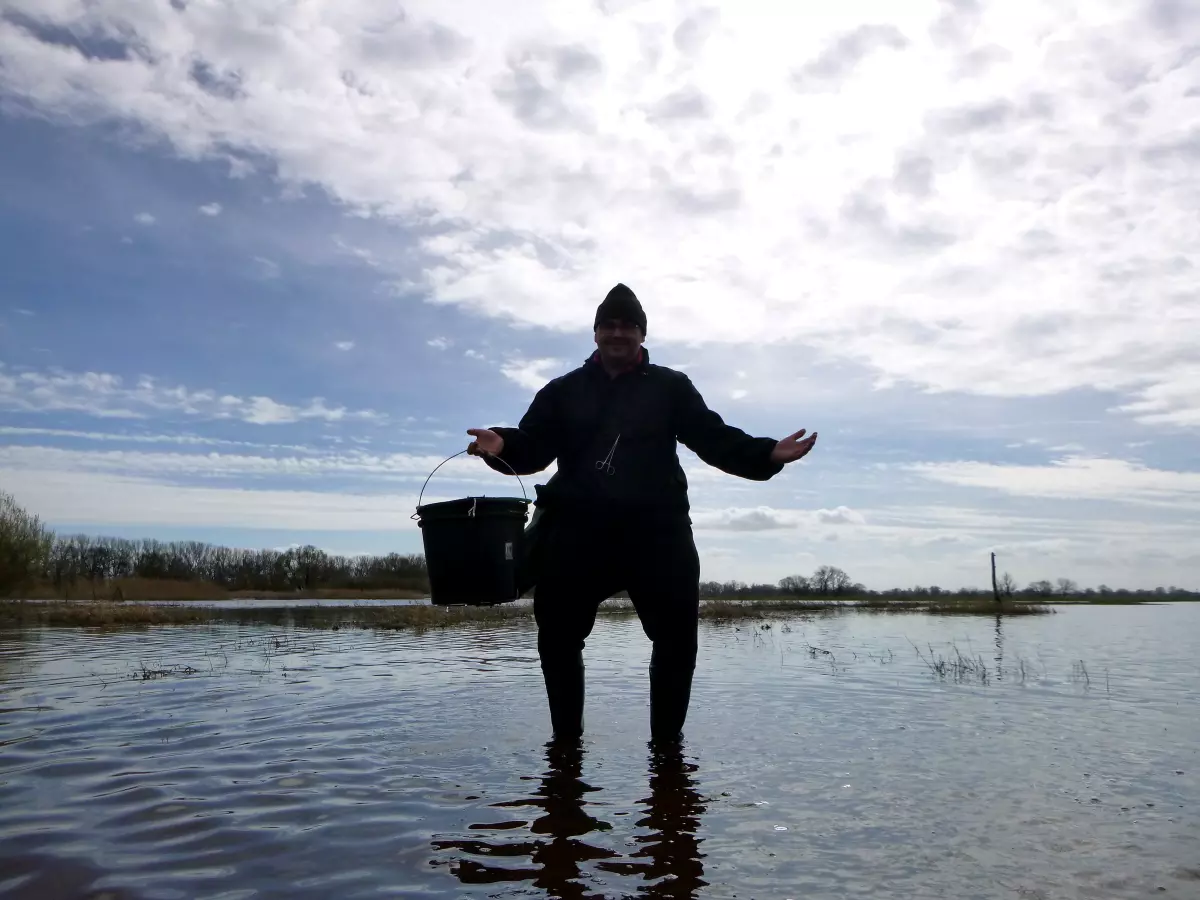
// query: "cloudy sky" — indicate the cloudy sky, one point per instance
point(262, 264)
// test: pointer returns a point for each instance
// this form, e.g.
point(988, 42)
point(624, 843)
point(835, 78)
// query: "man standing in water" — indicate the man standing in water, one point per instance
point(616, 511)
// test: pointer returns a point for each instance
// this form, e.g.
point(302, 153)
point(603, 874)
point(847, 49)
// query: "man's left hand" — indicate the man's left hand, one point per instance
point(792, 448)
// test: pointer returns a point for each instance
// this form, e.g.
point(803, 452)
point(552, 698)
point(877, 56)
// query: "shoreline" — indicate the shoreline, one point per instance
point(107, 614)
point(86, 613)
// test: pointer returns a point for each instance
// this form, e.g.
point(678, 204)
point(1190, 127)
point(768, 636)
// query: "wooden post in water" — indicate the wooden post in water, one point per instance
point(995, 586)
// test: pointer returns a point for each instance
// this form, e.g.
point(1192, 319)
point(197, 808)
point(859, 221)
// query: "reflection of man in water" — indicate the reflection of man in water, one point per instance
point(615, 514)
point(671, 849)
point(669, 857)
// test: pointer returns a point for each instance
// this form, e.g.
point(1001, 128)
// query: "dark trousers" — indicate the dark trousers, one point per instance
point(589, 559)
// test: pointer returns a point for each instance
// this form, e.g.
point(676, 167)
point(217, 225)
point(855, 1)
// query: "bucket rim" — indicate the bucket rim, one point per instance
point(487, 501)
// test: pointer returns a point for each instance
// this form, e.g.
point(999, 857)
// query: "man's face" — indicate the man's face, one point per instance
point(618, 340)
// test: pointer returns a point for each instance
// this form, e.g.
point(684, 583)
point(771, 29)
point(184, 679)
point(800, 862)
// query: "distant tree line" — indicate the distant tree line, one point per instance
point(825, 580)
point(31, 553)
point(830, 580)
point(81, 558)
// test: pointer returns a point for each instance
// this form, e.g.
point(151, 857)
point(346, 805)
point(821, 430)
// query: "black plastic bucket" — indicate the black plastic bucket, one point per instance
point(473, 548)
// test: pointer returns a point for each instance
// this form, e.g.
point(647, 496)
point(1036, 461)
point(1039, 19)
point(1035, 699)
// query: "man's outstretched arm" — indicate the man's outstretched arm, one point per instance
point(728, 448)
point(529, 447)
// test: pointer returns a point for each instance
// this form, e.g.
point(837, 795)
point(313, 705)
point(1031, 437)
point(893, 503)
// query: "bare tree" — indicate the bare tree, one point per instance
point(794, 584)
point(1066, 587)
point(829, 580)
point(1007, 584)
point(840, 582)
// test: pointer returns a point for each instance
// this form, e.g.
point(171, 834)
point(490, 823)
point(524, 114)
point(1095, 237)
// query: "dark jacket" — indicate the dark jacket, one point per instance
point(577, 419)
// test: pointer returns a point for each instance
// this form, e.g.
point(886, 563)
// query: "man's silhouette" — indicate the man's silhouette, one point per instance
point(615, 514)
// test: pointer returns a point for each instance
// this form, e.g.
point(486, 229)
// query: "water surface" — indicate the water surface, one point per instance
point(823, 758)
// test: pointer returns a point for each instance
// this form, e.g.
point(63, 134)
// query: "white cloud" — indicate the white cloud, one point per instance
point(23, 312)
point(210, 209)
point(1176, 402)
point(267, 267)
point(531, 374)
point(360, 253)
point(135, 488)
point(766, 518)
point(843, 515)
point(873, 181)
point(439, 343)
point(344, 345)
point(761, 519)
point(86, 499)
point(1073, 477)
point(117, 437)
point(738, 393)
point(265, 411)
point(309, 464)
point(694, 31)
point(109, 396)
point(144, 218)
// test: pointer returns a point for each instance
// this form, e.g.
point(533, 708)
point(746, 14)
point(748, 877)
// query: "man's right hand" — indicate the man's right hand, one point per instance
point(486, 443)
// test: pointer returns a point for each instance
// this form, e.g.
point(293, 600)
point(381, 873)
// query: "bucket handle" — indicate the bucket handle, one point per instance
point(460, 453)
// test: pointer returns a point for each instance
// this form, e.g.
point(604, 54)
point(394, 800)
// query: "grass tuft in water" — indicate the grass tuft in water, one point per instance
point(958, 668)
point(146, 673)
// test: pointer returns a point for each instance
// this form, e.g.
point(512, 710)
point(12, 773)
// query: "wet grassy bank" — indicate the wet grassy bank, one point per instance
point(117, 590)
point(14, 614)
point(106, 614)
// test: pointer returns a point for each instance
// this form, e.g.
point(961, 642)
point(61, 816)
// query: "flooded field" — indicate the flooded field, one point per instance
point(825, 757)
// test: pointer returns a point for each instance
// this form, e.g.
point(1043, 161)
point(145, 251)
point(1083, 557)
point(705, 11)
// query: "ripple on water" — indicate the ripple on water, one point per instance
point(824, 759)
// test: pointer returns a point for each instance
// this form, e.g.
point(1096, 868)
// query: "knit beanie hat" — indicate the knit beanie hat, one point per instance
point(621, 303)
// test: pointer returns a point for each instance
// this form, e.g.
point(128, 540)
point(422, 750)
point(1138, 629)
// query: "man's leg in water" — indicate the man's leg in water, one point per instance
point(580, 571)
point(664, 585)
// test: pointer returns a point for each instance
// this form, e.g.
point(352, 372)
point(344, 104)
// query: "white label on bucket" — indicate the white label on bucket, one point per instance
point(508, 550)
